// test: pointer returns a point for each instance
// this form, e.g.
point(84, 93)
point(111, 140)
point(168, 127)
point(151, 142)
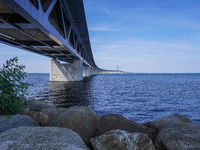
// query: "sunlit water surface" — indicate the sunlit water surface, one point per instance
point(140, 97)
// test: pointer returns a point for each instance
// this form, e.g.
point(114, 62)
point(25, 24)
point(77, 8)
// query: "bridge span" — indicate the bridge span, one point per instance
point(53, 28)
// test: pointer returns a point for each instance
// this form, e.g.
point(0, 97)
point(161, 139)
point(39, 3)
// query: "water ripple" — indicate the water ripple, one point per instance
point(141, 97)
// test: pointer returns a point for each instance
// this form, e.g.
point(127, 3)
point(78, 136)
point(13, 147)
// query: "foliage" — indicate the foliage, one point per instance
point(12, 87)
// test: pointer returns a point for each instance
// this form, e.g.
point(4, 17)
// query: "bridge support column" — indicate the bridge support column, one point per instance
point(87, 71)
point(66, 72)
point(94, 72)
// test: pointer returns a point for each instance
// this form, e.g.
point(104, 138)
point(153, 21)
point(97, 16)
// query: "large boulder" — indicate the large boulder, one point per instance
point(176, 132)
point(52, 111)
point(169, 120)
point(12, 121)
point(122, 140)
point(83, 120)
point(41, 118)
point(38, 105)
point(115, 121)
point(48, 138)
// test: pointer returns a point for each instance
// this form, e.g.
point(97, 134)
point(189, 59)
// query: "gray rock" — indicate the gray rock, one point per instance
point(83, 120)
point(38, 105)
point(48, 138)
point(52, 111)
point(115, 121)
point(176, 132)
point(41, 118)
point(12, 121)
point(26, 110)
point(122, 140)
point(159, 123)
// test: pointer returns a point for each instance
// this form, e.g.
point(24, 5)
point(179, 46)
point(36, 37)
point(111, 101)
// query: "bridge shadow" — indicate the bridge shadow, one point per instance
point(67, 94)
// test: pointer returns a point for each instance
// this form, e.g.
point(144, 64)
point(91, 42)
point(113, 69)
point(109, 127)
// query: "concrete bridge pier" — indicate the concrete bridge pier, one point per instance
point(94, 71)
point(87, 71)
point(66, 72)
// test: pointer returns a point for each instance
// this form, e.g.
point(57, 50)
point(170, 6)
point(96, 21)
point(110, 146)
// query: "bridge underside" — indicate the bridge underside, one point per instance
point(53, 28)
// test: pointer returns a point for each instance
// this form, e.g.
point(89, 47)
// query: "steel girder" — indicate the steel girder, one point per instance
point(54, 28)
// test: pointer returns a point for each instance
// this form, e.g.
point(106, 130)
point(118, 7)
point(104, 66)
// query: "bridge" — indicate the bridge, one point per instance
point(53, 28)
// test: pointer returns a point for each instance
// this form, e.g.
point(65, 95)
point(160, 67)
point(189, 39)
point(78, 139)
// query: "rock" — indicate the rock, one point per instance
point(52, 111)
point(38, 105)
point(176, 132)
point(83, 120)
point(48, 138)
point(41, 118)
point(175, 118)
point(13, 145)
point(26, 110)
point(115, 121)
point(122, 140)
point(12, 121)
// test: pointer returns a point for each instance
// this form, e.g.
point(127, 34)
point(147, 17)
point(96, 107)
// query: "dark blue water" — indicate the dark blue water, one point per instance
point(140, 97)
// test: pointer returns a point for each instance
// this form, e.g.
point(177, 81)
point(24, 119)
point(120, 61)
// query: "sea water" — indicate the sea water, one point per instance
point(139, 97)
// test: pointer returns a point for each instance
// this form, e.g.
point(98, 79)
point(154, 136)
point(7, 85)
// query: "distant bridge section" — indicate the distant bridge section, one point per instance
point(53, 28)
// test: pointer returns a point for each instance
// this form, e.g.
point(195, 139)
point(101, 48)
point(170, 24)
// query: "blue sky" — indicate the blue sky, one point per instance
point(157, 36)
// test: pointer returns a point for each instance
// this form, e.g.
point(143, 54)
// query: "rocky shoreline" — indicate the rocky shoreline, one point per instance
point(47, 127)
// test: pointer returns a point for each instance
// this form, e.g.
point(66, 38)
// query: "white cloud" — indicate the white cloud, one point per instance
point(105, 10)
point(146, 56)
point(102, 28)
point(132, 46)
point(97, 6)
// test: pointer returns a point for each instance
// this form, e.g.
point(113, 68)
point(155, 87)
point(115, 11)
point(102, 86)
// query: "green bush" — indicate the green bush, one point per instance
point(12, 87)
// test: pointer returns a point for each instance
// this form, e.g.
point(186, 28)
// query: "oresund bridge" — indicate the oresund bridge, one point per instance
point(53, 28)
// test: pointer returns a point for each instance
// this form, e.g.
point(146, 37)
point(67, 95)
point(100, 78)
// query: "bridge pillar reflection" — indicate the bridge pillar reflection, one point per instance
point(66, 72)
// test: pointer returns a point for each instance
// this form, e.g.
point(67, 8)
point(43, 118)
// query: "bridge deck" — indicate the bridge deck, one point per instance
point(54, 28)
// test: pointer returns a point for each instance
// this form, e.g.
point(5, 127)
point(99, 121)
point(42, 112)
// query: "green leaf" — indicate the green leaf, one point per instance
point(12, 87)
